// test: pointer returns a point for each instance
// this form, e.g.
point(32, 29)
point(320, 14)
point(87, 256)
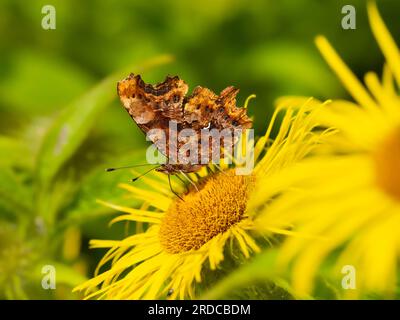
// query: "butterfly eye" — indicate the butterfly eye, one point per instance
point(235, 123)
point(221, 110)
point(133, 95)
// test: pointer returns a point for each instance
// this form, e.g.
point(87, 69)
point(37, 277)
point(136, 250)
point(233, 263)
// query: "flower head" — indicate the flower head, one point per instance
point(182, 236)
point(346, 205)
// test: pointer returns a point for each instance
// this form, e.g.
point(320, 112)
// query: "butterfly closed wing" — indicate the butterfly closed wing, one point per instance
point(159, 106)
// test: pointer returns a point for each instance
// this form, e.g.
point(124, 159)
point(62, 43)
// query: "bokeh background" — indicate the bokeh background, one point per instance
point(61, 123)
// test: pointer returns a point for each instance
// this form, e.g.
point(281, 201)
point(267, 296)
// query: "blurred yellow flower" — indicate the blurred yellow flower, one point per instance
point(350, 193)
point(167, 259)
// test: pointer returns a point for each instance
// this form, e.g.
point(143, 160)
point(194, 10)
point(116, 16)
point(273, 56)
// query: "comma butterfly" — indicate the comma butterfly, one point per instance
point(155, 107)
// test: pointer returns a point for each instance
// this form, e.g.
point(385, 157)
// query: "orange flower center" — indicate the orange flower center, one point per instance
point(387, 163)
point(220, 203)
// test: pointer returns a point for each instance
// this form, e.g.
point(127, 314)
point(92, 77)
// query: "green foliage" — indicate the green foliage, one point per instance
point(60, 124)
point(257, 279)
point(42, 202)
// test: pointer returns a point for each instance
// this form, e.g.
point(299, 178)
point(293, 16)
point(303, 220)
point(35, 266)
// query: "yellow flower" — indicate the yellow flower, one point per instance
point(182, 237)
point(347, 205)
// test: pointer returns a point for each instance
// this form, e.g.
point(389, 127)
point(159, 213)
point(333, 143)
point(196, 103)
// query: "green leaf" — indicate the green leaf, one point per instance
point(74, 123)
point(64, 274)
point(67, 275)
point(104, 185)
point(14, 196)
point(16, 152)
point(260, 269)
point(37, 81)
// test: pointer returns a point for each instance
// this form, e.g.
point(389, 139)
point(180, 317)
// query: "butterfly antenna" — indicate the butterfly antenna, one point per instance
point(170, 186)
point(141, 175)
point(127, 167)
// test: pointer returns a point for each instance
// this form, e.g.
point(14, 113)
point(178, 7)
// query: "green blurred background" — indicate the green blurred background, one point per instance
point(61, 123)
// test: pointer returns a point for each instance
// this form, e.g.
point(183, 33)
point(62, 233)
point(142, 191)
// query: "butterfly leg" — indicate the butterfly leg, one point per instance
point(170, 186)
point(220, 169)
point(184, 183)
point(191, 182)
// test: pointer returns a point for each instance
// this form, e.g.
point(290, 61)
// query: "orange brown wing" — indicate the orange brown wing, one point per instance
point(154, 107)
